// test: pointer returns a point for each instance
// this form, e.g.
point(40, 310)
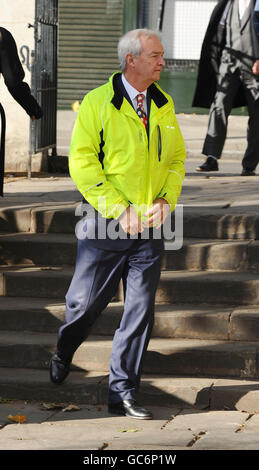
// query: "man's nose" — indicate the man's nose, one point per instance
point(162, 61)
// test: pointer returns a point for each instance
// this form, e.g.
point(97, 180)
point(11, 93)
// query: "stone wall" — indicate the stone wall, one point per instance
point(15, 16)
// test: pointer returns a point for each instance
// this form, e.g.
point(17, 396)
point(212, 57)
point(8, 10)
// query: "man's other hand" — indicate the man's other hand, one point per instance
point(130, 221)
point(157, 213)
point(255, 68)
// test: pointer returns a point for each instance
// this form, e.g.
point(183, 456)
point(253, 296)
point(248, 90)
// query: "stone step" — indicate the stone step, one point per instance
point(213, 255)
point(56, 218)
point(48, 282)
point(196, 254)
point(198, 221)
point(171, 321)
point(164, 356)
point(175, 287)
point(91, 388)
point(210, 287)
point(220, 223)
point(39, 249)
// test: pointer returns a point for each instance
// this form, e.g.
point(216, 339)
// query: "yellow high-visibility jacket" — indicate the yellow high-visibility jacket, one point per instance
point(114, 162)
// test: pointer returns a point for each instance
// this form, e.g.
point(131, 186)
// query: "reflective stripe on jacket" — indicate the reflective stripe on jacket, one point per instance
point(113, 162)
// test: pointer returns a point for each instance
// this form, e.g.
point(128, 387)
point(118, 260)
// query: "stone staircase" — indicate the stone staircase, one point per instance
point(205, 343)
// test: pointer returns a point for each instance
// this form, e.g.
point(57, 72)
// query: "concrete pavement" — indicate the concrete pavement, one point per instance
point(90, 427)
point(51, 426)
point(223, 189)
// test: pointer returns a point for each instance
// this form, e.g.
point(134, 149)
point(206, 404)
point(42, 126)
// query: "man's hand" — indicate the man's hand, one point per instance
point(158, 213)
point(130, 221)
point(255, 68)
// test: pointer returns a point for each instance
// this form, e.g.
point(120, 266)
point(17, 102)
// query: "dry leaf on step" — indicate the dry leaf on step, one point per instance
point(17, 418)
point(71, 408)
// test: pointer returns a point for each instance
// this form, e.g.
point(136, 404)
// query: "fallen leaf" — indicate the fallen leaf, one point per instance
point(71, 408)
point(53, 406)
point(60, 406)
point(17, 418)
point(6, 400)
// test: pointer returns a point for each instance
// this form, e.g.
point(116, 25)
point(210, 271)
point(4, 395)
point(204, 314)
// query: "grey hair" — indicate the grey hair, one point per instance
point(130, 44)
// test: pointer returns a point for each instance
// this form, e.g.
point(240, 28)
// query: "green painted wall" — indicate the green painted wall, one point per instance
point(181, 86)
point(130, 14)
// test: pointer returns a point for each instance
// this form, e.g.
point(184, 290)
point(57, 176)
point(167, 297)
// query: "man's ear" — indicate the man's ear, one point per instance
point(130, 60)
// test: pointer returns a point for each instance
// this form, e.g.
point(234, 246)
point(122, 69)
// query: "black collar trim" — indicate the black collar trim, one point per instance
point(118, 95)
point(155, 94)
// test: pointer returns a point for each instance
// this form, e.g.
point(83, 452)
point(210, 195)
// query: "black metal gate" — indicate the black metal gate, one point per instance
point(44, 78)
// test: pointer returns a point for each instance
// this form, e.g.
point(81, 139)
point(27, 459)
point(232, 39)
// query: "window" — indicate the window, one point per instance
point(184, 26)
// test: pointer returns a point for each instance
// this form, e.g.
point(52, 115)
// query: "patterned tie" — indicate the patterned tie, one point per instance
point(140, 109)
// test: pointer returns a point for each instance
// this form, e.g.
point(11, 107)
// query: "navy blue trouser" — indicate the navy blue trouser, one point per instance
point(95, 281)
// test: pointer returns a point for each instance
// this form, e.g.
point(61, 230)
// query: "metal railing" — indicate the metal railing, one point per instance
point(44, 78)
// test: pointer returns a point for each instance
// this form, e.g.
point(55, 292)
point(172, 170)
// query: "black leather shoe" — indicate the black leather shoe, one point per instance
point(211, 164)
point(246, 172)
point(59, 369)
point(129, 408)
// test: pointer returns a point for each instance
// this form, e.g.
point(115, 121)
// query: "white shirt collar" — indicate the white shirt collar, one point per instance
point(132, 92)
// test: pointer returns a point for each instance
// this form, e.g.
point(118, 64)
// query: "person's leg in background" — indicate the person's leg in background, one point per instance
point(251, 157)
point(228, 84)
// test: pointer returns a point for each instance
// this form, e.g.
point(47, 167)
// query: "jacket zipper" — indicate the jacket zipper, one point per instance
point(159, 146)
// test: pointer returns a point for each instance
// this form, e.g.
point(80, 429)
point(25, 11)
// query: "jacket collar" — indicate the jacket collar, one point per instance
point(225, 13)
point(247, 15)
point(244, 20)
point(155, 94)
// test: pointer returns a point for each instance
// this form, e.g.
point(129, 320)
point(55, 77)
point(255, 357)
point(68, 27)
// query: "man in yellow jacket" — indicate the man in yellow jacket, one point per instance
point(127, 159)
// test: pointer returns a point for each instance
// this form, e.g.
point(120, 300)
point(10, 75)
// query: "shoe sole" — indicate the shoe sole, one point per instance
point(139, 417)
point(128, 415)
point(204, 171)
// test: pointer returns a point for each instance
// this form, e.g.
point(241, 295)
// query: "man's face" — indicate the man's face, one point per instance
point(149, 64)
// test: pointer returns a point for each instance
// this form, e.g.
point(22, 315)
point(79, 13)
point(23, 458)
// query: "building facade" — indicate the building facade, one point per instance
point(16, 16)
point(88, 33)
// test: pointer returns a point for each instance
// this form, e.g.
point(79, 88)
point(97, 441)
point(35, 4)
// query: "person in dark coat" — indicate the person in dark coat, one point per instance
point(256, 17)
point(13, 74)
point(228, 77)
